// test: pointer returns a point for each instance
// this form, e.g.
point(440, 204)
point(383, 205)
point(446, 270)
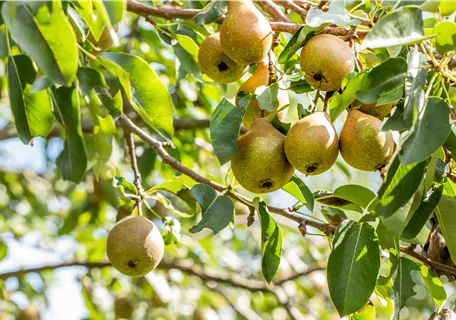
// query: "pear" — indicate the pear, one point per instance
point(214, 63)
point(363, 144)
point(325, 61)
point(29, 313)
point(135, 246)
point(124, 307)
point(312, 145)
point(373, 109)
point(245, 34)
point(260, 78)
point(260, 165)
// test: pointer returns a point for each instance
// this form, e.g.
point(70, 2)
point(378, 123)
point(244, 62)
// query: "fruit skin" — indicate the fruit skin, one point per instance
point(325, 61)
point(214, 63)
point(124, 307)
point(29, 313)
point(379, 112)
point(312, 145)
point(260, 78)
point(135, 246)
point(363, 144)
point(245, 34)
point(260, 165)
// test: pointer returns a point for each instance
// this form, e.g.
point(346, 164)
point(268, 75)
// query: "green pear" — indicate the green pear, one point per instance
point(363, 144)
point(378, 111)
point(123, 307)
point(245, 34)
point(325, 61)
point(312, 145)
point(260, 165)
point(214, 63)
point(135, 246)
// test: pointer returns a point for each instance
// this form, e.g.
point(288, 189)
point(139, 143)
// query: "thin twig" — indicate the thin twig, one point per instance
point(298, 275)
point(288, 4)
point(134, 166)
point(274, 11)
point(426, 261)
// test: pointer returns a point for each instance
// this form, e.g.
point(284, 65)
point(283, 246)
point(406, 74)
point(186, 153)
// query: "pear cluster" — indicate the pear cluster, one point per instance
point(266, 159)
point(244, 38)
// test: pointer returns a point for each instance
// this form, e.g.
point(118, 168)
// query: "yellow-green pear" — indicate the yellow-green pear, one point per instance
point(363, 144)
point(245, 34)
point(135, 246)
point(325, 61)
point(29, 313)
point(312, 145)
point(123, 307)
point(378, 111)
point(260, 78)
point(214, 63)
point(260, 165)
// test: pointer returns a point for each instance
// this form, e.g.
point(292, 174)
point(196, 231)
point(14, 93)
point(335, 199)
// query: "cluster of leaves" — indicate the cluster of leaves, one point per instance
point(55, 77)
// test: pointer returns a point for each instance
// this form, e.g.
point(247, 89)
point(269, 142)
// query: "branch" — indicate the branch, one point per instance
point(134, 166)
point(162, 12)
point(274, 11)
point(168, 159)
point(294, 7)
point(298, 275)
point(426, 261)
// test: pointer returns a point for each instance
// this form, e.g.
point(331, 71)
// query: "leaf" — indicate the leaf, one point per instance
point(422, 213)
point(450, 142)
point(447, 7)
point(72, 161)
point(271, 241)
point(217, 210)
point(150, 97)
point(179, 189)
point(394, 262)
point(127, 188)
point(55, 53)
point(188, 44)
point(3, 250)
point(356, 256)
point(446, 35)
point(211, 12)
point(366, 313)
point(434, 285)
point(382, 79)
point(401, 184)
point(298, 39)
point(447, 221)
point(115, 9)
point(337, 14)
point(32, 111)
point(268, 100)
point(403, 26)
point(94, 19)
point(224, 128)
point(298, 189)
point(300, 86)
point(339, 102)
point(350, 197)
point(403, 284)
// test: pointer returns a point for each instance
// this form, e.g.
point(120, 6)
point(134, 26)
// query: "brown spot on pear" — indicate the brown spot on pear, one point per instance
point(363, 144)
point(29, 313)
point(123, 307)
point(260, 78)
point(260, 165)
point(214, 63)
point(325, 61)
point(245, 34)
point(135, 246)
point(312, 145)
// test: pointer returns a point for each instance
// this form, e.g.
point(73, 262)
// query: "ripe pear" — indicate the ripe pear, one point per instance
point(124, 307)
point(135, 246)
point(260, 78)
point(29, 313)
point(312, 145)
point(363, 144)
point(260, 165)
point(325, 61)
point(245, 34)
point(214, 63)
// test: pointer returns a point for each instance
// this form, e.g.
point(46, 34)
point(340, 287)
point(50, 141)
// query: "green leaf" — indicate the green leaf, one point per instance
point(450, 142)
point(298, 39)
point(172, 230)
point(217, 210)
point(150, 97)
point(350, 197)
point(211, 12)
point(403, 26)
point(115, 9)
point(188, 44)
point(423, 213)
point(300, 86)
point(394, 262)
point(403, 284)
point(127, 188)
point(298, 189)
point(72, 161)
point(336, 14)
point(117, 71)
point(428, 133)
point(356, 256)
point(268, 100)
point(179, 189)
point(382, 79)
point(447, 7)
point(94, 19)
point(54, 52)
point(339, 102)
point(447, 221)
point(224, 127)
point(3, 250)
point(271, 241)
point(366, 313)
point(32, 111)
point(401, 184)
point(434, 285)
point(446, 35)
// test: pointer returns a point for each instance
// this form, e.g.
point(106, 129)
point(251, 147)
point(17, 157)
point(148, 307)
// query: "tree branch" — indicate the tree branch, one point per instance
point(168, 159)
point(294, 7)
point(298, 275)
point(162, 12)
point(134, 166)
point(426, 261)
point(274, 11)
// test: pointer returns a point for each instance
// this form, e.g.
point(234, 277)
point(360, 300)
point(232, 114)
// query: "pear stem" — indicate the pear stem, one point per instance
point(134, 166)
